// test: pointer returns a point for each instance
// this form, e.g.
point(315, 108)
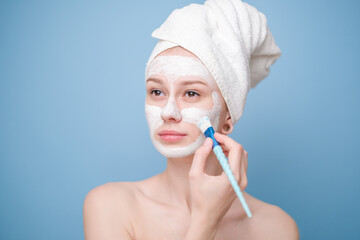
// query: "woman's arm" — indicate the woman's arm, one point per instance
point(201, 228)
point(212, 196)
point(102, 216)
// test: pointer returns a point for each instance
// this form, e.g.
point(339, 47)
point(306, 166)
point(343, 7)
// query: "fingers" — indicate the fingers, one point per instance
point(237, 158)
point(225, 149)
point(246, 162)
point(200, 156)
point(235, 153)
point(243, 180)
point(226, 141)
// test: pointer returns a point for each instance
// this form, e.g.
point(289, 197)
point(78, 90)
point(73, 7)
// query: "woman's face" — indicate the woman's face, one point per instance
point(180, 90)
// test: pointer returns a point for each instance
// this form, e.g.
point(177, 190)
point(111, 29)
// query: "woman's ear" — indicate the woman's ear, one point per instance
point(228, 126)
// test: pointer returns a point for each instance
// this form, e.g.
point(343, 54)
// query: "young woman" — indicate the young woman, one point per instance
point(193, 198)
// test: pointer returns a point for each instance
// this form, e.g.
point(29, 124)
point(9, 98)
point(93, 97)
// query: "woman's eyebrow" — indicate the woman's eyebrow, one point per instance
point(152, 79)
point(188, 82)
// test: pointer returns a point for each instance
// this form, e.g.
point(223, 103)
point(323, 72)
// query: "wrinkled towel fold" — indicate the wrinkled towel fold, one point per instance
point(230, 37)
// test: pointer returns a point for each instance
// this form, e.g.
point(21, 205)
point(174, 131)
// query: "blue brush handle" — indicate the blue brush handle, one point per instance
point(225, 165)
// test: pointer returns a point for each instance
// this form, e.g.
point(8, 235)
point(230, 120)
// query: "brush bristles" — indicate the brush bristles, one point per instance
point(204, 123)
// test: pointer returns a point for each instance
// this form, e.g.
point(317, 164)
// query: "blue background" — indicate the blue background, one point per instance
point(72, 112)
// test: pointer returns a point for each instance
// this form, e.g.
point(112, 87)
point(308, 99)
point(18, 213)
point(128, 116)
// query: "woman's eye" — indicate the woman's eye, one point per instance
point(156, 92)
point(191, 94)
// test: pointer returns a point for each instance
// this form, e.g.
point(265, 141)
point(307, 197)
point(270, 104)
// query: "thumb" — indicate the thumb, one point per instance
point(200, 156)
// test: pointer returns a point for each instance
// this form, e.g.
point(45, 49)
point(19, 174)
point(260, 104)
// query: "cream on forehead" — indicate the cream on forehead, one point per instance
point(174, 67)
point(171, 69)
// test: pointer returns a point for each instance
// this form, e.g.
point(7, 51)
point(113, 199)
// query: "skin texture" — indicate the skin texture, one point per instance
point(192, 199)
point(181, 88)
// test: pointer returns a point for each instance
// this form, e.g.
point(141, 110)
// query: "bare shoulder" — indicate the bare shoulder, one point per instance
point(274, 223)
point(111, 192)
point(278, 224)
point(107, 211)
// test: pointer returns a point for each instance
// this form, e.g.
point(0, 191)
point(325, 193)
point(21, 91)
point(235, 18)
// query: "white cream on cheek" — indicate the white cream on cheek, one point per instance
point(174, 67)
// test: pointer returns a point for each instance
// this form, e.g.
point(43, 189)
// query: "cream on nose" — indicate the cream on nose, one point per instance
point(171, 110)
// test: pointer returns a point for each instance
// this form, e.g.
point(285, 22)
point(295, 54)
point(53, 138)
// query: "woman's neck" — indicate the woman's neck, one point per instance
point(176, 178)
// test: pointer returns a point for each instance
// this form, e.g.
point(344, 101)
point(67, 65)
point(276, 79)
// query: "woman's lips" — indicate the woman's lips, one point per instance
point(171, 135)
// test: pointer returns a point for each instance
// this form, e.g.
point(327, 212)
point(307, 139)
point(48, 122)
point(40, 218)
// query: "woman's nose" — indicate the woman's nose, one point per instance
point(171, 112)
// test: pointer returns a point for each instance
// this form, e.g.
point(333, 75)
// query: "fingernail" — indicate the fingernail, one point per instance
point(207, 141)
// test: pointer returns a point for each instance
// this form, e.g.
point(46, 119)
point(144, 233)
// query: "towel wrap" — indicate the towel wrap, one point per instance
point(230, 37)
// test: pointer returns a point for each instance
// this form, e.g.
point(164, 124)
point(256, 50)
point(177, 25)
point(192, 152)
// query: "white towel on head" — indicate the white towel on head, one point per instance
point(230, 37)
